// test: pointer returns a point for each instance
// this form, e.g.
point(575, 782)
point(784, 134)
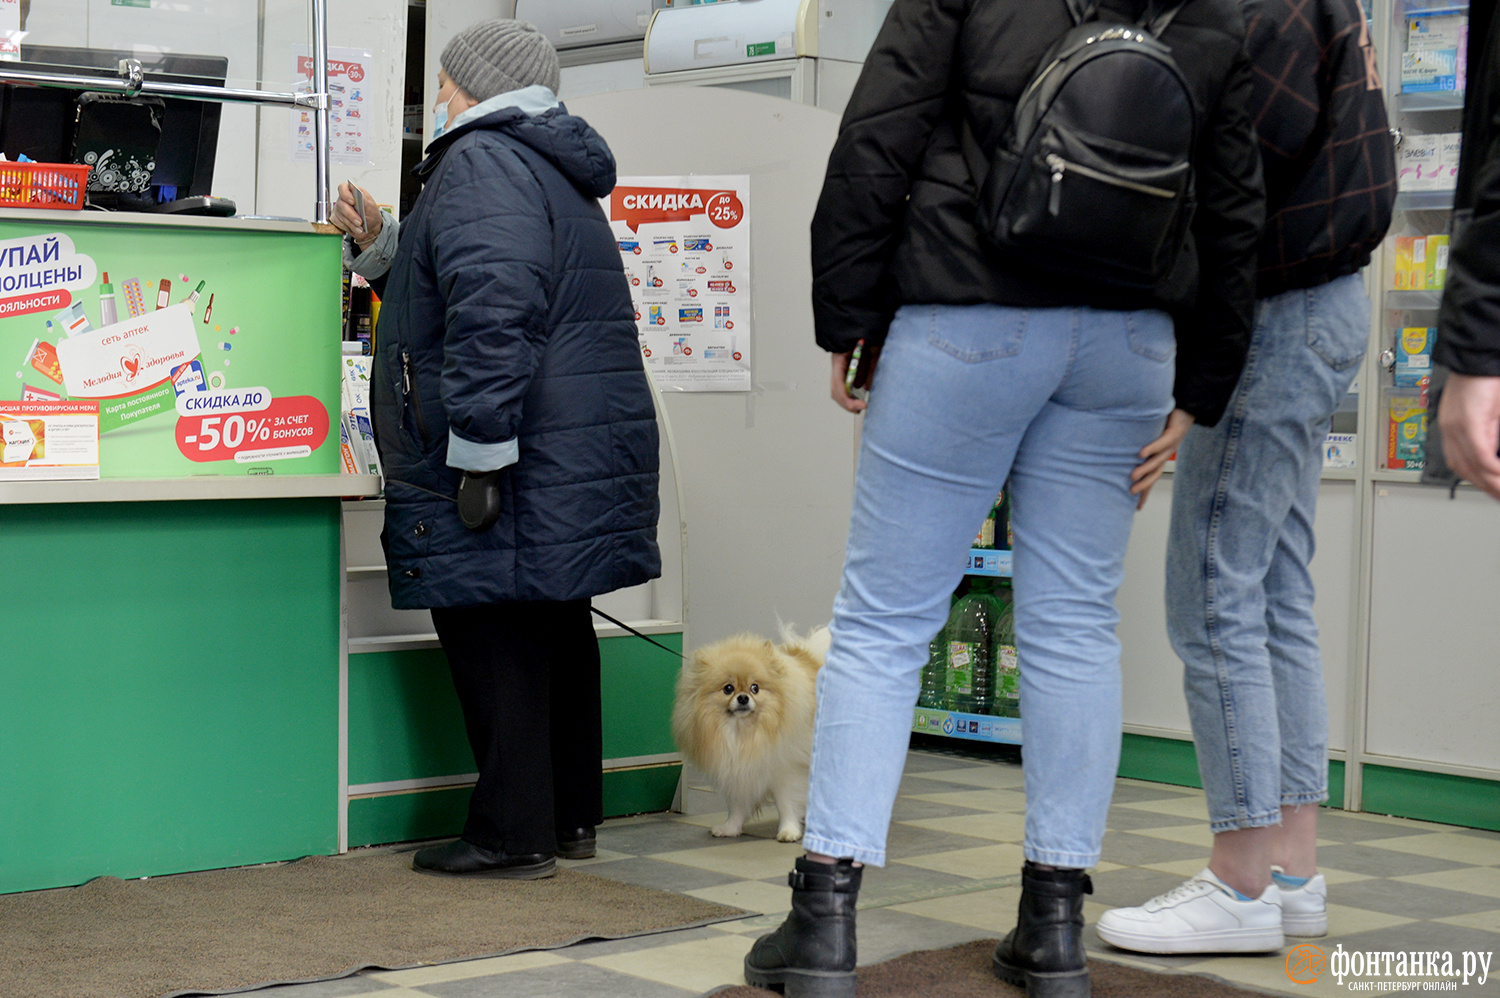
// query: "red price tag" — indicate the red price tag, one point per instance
point(725, 210)
point(296, 421)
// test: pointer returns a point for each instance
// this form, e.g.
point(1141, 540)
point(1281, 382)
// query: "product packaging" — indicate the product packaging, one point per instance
point(1437, 262)
point(1406, 439)
point(1419, 164)
point(1414, 356)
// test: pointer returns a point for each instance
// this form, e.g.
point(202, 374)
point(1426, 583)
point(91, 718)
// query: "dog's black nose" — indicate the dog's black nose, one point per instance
point(743, 699)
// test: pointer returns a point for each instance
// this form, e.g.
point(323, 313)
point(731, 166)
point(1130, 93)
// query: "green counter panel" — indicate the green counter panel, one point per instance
point(168, 687)
point(1174, 761)
point(405, 724)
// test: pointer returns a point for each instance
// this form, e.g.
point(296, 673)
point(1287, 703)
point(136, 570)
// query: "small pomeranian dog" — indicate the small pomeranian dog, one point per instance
point(744, 715)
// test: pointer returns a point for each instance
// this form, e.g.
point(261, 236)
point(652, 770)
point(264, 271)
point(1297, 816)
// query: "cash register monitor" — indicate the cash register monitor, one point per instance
point(39, 121)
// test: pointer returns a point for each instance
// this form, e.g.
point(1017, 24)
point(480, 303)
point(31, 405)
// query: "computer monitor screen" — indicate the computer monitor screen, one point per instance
point(39, 121)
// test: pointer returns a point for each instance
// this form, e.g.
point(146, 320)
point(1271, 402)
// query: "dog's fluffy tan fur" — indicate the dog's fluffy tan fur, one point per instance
point(744, 715)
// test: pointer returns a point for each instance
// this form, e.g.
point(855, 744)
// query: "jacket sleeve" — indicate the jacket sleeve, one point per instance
point(900, 97)
point(492, 257)
point(1214, 335)
point(1469, 325)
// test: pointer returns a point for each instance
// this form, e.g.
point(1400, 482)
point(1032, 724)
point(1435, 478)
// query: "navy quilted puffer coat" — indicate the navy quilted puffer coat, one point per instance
point(506, 315)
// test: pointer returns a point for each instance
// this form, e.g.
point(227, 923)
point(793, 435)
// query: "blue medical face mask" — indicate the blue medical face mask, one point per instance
point(440, 114)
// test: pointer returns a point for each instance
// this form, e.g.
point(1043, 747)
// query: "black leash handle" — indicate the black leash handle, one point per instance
point(632, 630)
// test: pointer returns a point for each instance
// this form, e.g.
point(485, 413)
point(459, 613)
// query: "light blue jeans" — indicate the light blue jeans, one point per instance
point(1061, 400)
point(1239, 595)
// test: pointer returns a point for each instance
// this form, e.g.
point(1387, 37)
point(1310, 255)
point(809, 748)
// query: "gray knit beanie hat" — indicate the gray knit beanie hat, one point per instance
point(493, 57)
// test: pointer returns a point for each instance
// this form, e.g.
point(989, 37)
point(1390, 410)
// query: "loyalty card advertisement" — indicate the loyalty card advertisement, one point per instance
point(175, 350)
point(685, 242)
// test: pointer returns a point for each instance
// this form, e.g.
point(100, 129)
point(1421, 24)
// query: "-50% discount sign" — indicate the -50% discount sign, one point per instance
point(293, 426)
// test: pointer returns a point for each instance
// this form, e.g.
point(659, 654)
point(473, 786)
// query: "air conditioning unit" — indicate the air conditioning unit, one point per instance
point(572, 24)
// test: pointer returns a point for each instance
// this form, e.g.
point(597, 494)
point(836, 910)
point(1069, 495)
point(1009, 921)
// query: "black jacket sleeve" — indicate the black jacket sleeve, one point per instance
point(900, 97)
point(1469, 325)
point(1214, 335)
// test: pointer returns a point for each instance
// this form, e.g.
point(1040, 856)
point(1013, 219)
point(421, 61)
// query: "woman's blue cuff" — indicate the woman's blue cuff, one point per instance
point(471, 456)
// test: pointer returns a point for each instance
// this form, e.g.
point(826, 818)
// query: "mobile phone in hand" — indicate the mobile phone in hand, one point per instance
point(861, 368)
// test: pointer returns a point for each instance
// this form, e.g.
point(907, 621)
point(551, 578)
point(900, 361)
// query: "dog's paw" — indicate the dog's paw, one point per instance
point(727, 830)
point(789, 833)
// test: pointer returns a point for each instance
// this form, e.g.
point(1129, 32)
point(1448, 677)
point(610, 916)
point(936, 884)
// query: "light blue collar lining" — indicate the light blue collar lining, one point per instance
point(534, 100)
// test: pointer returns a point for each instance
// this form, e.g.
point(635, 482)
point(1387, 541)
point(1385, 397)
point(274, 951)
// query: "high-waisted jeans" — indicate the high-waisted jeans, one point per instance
point(1060, 401)
point(1239, 595)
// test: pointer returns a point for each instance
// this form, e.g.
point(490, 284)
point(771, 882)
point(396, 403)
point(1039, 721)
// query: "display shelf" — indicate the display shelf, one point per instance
point(1424, 200)
point(1445, 100)
point(992, 563)
point(974, 727)
point(189, 487)
point(1414, 301)
point(1397, 475)
point(1340, 474)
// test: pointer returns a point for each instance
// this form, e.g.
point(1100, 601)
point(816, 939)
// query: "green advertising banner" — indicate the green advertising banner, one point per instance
point(209, 350)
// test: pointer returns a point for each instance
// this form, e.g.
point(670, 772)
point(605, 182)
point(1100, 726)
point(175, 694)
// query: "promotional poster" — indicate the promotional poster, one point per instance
point(145, 351)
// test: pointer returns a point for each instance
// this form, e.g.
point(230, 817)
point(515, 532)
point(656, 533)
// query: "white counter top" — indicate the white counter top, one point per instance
point(189, 488)
point(47, 216)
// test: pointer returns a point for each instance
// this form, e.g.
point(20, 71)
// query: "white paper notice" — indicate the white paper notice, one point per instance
point(685, 242)
point(351, 102)
point(128, 356)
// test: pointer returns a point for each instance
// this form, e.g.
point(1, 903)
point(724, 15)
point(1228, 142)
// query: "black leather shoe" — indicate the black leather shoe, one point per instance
point(1044, 952)
point(812, 954)
point(577, 843)
point(464, 859)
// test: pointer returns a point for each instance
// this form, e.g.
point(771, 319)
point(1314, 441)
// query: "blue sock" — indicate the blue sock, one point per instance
point(1240, 897)
point(1283, 880)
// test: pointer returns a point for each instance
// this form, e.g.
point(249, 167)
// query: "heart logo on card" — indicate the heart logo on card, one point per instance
point(131, 365)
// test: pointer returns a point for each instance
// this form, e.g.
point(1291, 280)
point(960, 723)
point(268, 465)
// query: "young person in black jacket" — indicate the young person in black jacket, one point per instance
point(997, 368)
point(1468, 341)
point(1239, 594)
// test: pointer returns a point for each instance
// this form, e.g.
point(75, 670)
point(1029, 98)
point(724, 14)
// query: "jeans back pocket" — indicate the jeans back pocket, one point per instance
point(1338, 322)
point(977, 333)
point(1151, 335)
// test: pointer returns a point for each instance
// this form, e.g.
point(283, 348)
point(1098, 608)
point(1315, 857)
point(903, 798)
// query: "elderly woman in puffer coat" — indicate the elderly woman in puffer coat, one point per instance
point(518, 436)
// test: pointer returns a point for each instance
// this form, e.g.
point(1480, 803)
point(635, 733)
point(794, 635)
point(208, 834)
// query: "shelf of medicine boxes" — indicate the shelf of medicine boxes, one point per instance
point(1442, 100)
point(975, 727)
point(1424, 200)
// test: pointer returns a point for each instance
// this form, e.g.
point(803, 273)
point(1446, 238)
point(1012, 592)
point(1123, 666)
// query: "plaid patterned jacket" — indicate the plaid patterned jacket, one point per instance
point(1325, 143)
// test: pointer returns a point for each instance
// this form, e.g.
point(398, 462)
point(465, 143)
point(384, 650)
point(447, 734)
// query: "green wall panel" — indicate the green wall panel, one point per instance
point(1452, 800)
point(168, 687)
point(432, 814)
point(404, 719)
point(405, 723)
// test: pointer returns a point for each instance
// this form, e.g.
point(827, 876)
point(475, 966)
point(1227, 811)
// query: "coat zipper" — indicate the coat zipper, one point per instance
point(409, 389)
point(1061, 166)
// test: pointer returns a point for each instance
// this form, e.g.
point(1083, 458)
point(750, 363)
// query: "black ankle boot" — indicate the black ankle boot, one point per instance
point(1044, 952)
point(812, 954)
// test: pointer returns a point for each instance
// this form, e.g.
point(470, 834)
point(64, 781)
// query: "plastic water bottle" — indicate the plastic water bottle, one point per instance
point(935, 673)
point(971, 633)
point(1007, 671)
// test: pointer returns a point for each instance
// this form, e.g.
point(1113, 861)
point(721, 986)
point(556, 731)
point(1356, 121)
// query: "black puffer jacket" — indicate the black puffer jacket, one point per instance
point(1326, 147)
point(895, 226)
point(507, 316)
point(1469, 326)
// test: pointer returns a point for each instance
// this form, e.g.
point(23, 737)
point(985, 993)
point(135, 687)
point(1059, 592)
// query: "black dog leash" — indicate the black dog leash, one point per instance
point(632, 630)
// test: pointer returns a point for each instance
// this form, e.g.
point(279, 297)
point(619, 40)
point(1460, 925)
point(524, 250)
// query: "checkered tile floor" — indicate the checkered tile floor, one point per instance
point(954, 859)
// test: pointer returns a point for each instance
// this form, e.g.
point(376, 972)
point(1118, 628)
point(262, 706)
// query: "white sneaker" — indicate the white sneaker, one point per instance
point(1204, 915)
point(1304, 910)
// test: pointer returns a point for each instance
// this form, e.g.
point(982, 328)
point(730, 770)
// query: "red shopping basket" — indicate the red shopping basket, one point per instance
point(43, 185)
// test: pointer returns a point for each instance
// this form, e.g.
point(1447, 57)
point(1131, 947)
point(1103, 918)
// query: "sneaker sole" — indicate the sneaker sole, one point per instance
point(535, 871)
point(1069, 984)
point(803, 983)
point(1224, 941)
point(1313, 924)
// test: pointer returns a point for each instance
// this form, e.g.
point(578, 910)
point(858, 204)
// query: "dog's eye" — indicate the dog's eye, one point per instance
point(728, 689)
point(754, 687)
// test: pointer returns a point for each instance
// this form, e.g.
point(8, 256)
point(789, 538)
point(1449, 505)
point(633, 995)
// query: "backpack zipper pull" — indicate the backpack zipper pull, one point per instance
point(406, 373)
point(1054, 199)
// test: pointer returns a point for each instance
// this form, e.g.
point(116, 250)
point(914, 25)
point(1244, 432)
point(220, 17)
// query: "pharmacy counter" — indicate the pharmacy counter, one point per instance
point(170, 523)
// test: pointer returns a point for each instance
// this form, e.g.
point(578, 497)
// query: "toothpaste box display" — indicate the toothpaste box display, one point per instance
point(1414, 356)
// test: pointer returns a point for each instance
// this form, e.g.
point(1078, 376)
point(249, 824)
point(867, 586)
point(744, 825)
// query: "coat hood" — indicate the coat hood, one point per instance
point(568, 142)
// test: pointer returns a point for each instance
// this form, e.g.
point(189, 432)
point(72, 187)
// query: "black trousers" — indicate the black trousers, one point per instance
point(527, 676)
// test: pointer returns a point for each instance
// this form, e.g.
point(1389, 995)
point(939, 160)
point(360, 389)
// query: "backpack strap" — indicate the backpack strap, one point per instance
point(1158, 23)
